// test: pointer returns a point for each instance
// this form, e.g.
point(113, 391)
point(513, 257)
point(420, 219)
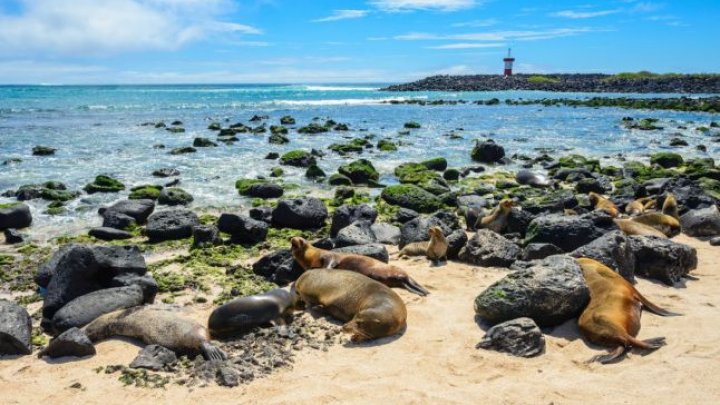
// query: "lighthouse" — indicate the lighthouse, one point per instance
point(508, 64)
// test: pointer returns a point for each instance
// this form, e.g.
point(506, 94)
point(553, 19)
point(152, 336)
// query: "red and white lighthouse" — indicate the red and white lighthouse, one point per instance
point(508, 64)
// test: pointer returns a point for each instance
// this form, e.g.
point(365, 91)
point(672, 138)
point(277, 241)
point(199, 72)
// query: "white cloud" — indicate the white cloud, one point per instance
point(477, 23)
point(409, 5)
point(467, 45)
point(83, 27)
point(575, 15)
point(338, 15)
point(498, 36)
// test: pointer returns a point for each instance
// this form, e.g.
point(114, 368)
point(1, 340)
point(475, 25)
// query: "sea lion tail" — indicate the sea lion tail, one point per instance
point(212, 352)
point(415, 288)
point(654, 308)
point(648, 344)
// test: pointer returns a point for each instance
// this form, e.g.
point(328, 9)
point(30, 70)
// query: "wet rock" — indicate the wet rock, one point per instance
point(613, 250)
point(487, 152)
point(203, 143)
point(357, 233)
point(265, 191)
point(166, 172)
point(374, 250)
point(715, 241)
point(550, 201)
point(456, 240)
point(588, 185)
point(13, 237)
point(139, 210)
point(261, 214)
point(279, 267)
point(688, 194)
point(15, 329)
point(106, 233)
point(244, 230)
point(86, 308)
point(566, 232)
point(537, 251)
point(518, 221)
point(404, 215)
point(386, 233)
point(701, 222)
point(520, 337)
point(15, 216)
point(154, 357)
point(300, 213)
point(171, 225)
point(549, 291)
point(71, 343)
point(104, 184)
point(205, 236)
point(117, 220)
point(347, 214)
point(417, 229)
point(174, 196)
point(662, 259)
point(43, 151)
point(412, 197)
point(489, 249)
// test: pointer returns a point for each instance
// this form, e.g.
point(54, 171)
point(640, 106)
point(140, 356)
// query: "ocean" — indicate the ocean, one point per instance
point(97, 130)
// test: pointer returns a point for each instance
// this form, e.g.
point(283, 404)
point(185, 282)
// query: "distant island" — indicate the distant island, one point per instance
point(637, 82)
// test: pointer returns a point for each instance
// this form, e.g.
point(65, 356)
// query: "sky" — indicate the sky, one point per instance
point(346, 41)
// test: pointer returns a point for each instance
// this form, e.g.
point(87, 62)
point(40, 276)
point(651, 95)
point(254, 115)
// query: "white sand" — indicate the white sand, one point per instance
point(435, 361)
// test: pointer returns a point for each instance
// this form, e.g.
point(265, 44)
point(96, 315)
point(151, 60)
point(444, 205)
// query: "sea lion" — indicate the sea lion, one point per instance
point(630, 227)
point(639, 206)
point(155, 325)
point(242, 314)
point(601, 203)
point(670, 207)
point(370, 309)
point(310, 257)
point(435, 249)
point(526, 177)
point(612, 318)
point(497, 220)
point(663, 223)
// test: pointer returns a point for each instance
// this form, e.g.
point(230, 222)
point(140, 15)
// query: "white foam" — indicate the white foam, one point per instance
point(340, 88)
point(346, 101)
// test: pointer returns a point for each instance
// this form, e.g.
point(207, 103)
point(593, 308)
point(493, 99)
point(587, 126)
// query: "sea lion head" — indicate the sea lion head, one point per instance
point(506, 205)
point(298, 245)
point(435, 231)
point(594, 198)
point(296, 302)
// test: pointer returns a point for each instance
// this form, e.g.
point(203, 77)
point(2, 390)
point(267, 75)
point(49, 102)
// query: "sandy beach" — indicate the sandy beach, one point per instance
point(435, 360)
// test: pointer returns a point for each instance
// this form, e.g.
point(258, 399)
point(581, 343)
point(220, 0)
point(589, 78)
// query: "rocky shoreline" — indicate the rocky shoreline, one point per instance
point(586, 83)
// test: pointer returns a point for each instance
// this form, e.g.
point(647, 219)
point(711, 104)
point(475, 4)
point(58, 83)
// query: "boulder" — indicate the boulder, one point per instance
point(537, 251)
point(14, 216)
point(300, 213)
point(357, 233)
point(662, 259)
point(386, 234)
point(520, 337)
point(155, 358)
point(139, 210)
point(279, 267)
point(244, 230)
point(404, 215)
point(265, 191)
point(489, 249)
point(347, 214)
point(701, 222)
point(374, 250)
point(106, 233)
point(567, 232)
point(174, 196)
point(487, 152)
point(71, 343)
point(171, 225)
point(117, 220)
point(86, 308)
point(15, 329)
point(205, 236)
point(549, 291)
point(613, 250)
point(416, 230)
point(412, 197)
point(456, 240)
point(518, 221)
point(13, 237)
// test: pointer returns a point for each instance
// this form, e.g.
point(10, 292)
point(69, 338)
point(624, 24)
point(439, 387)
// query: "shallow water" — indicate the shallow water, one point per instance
point(96, 130)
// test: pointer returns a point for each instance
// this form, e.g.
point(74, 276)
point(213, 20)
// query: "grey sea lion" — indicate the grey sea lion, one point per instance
point(526, 177)
point(242, 314)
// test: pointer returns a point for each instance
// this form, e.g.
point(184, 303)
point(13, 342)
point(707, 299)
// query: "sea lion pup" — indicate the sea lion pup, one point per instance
point(639, 206)
point(242, 314)
point(497, 220)
point(370, 309)
point(630, 227)
point(612, 318)
point(663, 223)
point(155, 325)
point(310, 257)
point(601, 203)
point(435, 249)
point(670, 207)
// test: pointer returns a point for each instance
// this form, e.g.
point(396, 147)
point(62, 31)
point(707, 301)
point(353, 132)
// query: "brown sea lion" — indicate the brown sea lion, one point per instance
point(639, 206)
point(155, 325)
point(670, 207)
point(497, 220)
point(601, 203)
point(242, 314)
point(435, 249)
point(370, 309)
point(310, 257)
point(630, 227)
point(612, 318)
point(663, 223)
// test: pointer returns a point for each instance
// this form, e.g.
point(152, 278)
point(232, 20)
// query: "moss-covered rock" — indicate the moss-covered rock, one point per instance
point(386, 145)
point(104, 184)
point(287, 120)
point(174, 196)
point(278, 139)
point(183, 150)
point(666, 159)
point(438, 164)
point(314, 172)
point(339, 180)
point(298, 158)
point(356, 145)
point(278, 129)
point(360, 171)
point(412, 197)
point(145, 192)
point(412, 125)
point(203, 143)
point(277, 172)
point(243, 185)
point(451, 174)
point(313, 128)
point(215, 126)
point(576, 161)
point(420, 175)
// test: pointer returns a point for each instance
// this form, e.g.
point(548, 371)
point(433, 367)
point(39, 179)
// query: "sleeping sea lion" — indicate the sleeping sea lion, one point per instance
point(242, 314)
point(670, 207)
point(612, 318)
point(497, 220)
point(639, 206)
point(435, 249)
point(155, 325)
point(630, 227)
point(526, 177)
point(370, 309)
point(601, 203)
point(310, 257)
point(663, 223)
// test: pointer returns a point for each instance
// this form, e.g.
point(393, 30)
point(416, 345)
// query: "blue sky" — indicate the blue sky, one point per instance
point(324, 41)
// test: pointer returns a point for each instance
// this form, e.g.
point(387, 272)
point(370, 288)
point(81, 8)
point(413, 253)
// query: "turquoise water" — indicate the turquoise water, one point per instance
point(96, 130)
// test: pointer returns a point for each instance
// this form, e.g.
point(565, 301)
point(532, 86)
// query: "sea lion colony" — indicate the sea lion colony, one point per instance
point(357, 290)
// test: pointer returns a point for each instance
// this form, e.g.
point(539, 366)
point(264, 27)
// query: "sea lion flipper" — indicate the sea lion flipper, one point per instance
point(654, 308)
point(212, 352)
point(415, 288)
point(611, 357)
